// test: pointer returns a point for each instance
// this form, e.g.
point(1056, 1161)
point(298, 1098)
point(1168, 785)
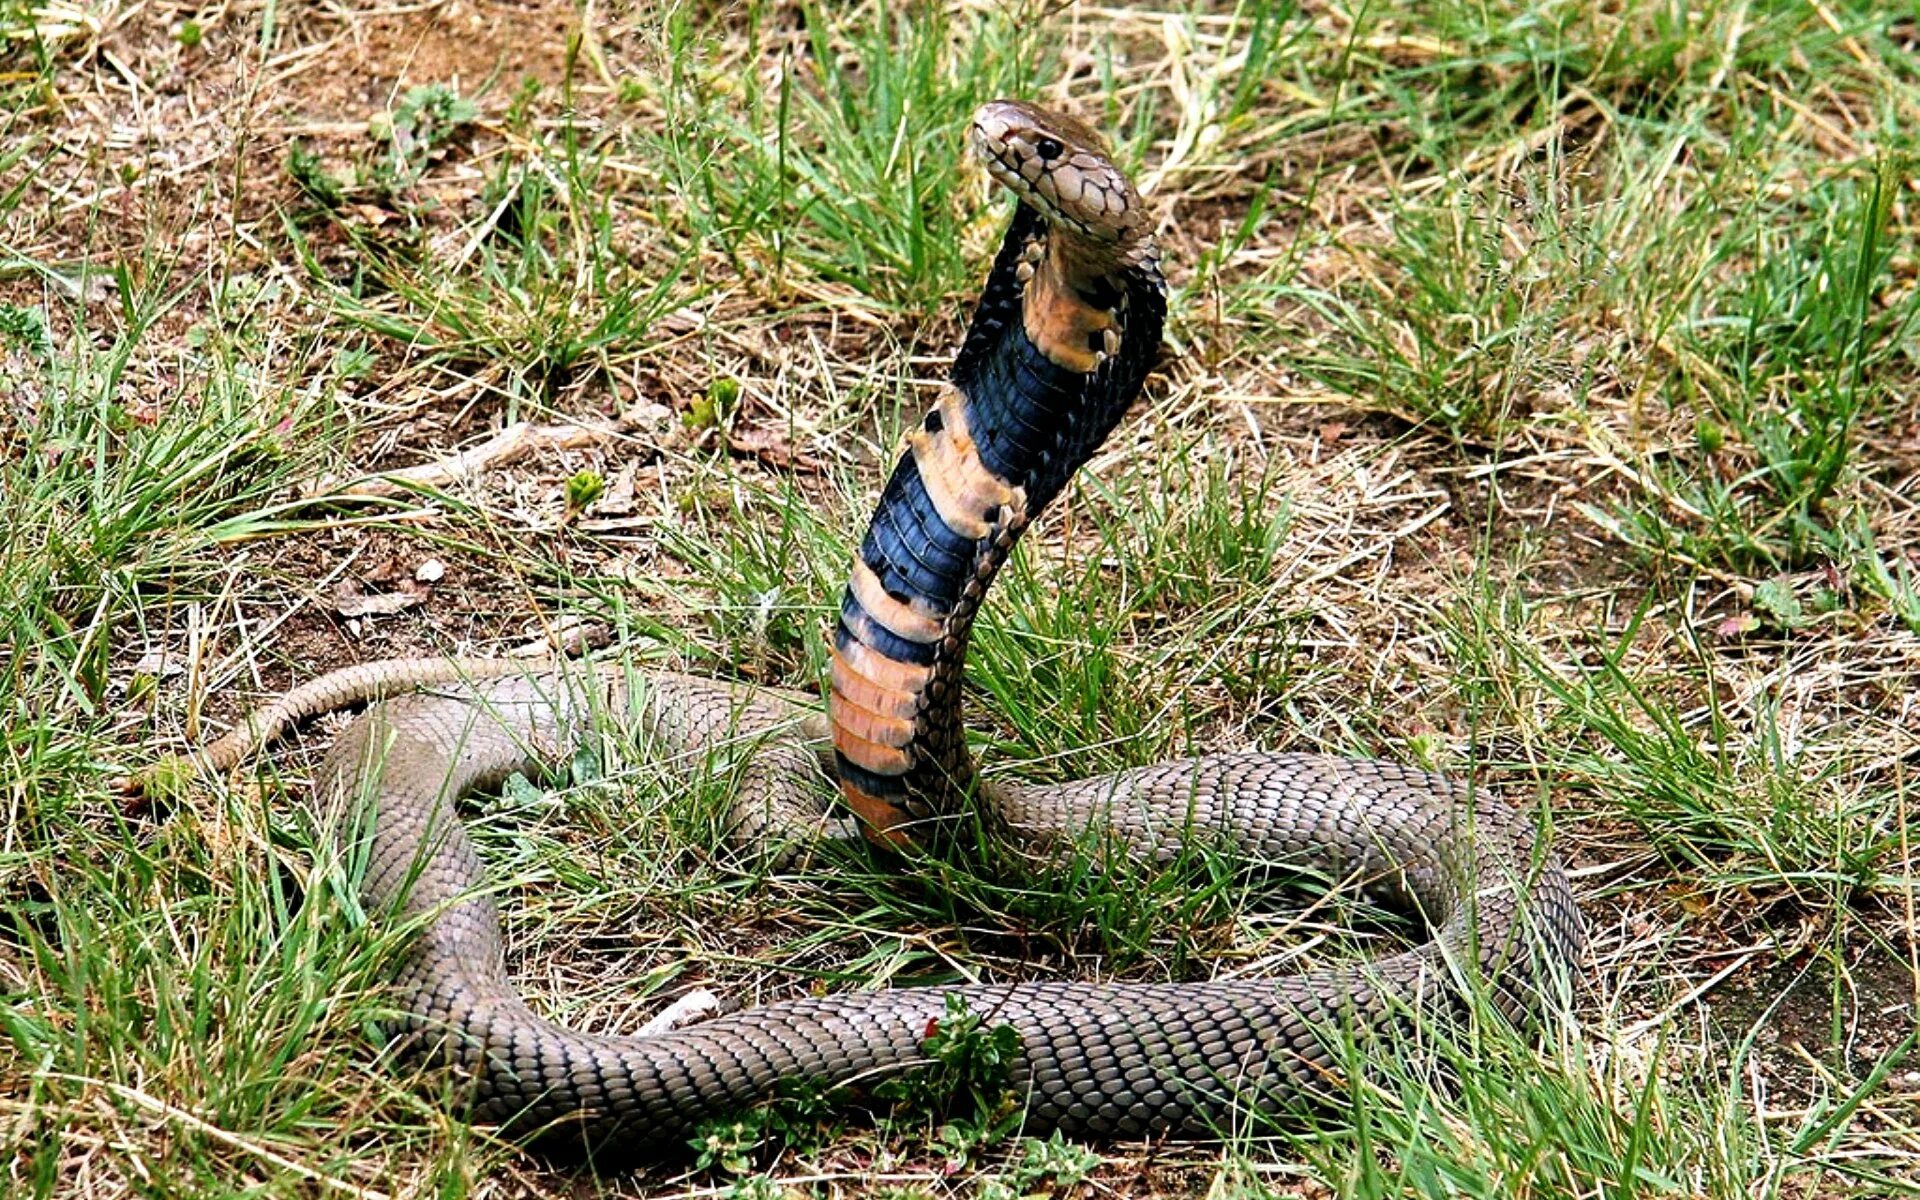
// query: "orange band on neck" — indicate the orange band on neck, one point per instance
point(881, 822)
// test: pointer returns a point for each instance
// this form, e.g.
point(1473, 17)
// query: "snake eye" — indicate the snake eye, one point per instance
point(1048, 149)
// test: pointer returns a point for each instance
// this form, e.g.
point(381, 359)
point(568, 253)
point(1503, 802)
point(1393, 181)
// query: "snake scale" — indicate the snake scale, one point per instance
point(1066, 329)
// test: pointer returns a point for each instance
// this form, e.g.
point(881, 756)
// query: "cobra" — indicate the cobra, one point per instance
point(1064, 334)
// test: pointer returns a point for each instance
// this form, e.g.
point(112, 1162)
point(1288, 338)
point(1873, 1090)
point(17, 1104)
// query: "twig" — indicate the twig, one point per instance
point(511, 444)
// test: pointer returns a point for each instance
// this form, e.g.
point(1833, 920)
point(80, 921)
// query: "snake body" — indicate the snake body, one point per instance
point(1066, 329)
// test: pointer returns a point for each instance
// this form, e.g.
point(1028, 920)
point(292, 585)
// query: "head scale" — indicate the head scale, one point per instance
point(1059, 166)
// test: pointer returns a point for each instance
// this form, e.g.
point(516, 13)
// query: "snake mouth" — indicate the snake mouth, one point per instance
point(990, 138)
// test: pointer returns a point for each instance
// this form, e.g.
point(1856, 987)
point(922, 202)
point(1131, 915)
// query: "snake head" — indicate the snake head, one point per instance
point(1061, 167)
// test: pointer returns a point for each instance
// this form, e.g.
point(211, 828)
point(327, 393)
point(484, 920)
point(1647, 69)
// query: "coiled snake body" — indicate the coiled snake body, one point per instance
point(1065, 331)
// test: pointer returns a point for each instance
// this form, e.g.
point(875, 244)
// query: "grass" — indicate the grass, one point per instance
point(1539, 409)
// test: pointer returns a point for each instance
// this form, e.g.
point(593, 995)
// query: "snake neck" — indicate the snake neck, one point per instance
point(1057, 350)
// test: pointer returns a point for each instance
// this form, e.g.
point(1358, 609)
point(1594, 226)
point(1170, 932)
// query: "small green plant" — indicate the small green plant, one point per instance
point(799, 1119)
point(583, 488)
point(418, 130)
point(311, 176)
point(428, 115)
point(1055, 1164)
point(963, 1085)
point(714, 409)
point(1775, 598)
point(26, 327)
point(520, 108)
point(729, 1144)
